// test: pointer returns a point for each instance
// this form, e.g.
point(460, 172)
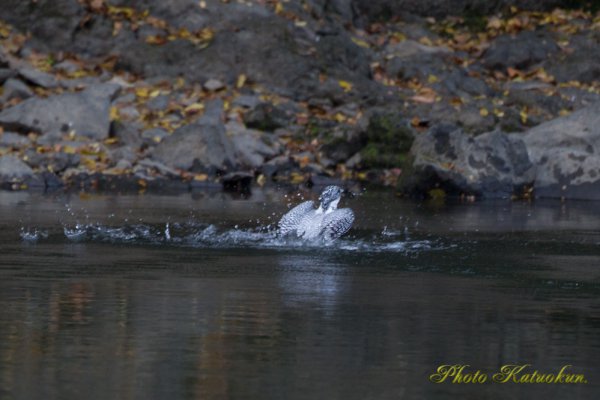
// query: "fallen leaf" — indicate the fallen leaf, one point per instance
point(361, 42)
point(240, 81)
point(347, 86)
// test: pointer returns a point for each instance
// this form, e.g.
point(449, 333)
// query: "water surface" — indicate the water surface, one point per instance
point(194, 296)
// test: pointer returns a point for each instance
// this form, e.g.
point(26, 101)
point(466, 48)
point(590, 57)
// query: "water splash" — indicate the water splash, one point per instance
point(32, 235)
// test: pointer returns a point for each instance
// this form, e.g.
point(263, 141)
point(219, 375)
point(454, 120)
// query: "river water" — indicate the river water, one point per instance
point(195, 297)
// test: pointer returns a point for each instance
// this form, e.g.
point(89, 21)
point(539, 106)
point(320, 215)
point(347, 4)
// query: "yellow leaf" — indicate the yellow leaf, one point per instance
point(114, 113)
point(69, 149)
point(523, 115)
point(278, 8)
point(339, 117)
point(240, 81)
point(89, 163)
point(360, 42)
point(200, 177)
point(111, 140)
point(142, 92)
point(296, 178)
point(347, 86)
point(192, 108)
point(399, 36)
point(155, 93)
point(156, 39)
point(483, 112)
point(432, 78)
point(127, 12)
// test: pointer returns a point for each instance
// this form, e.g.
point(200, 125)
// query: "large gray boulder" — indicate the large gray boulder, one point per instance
point(566, 152)
point(14, 170)
point(87, 113)
point(203, 142)
point(493, 164)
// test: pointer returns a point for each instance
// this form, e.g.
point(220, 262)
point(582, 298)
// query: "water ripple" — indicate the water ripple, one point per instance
point(195, 234)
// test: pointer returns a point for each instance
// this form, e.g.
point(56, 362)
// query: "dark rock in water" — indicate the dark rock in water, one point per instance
point(278, 167)
point(493, 164)
point(520, 51)
point(86, 113)
point(237, 181)
point(159, 167)
point(204, 140)
point(566, 152)
point(51, 180)
point(14, 171)
point(15, 89)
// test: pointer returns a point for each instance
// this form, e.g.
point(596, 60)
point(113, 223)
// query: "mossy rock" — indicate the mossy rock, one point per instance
point(388, 140)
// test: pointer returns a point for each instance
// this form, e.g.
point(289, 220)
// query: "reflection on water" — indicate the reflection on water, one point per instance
point(98, 299)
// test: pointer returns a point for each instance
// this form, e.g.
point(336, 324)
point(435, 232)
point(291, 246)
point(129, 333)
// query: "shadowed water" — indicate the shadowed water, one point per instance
point(195, 296)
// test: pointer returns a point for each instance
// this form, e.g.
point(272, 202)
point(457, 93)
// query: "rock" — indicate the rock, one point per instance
point(127, 133)
point(159, 167)
point(6, 73)
point(493, 164)
point(281, 165)
point(410, 59)
point(238, 181)
point(459, 83)
point(15, 89)
point(579, 62)
point(13, 169)
point(204, 140)
point(520, 51)
point(213, 85)
point(36, 77)
point(129, 113)
point(268, 117)
point(67, 66)
point(86, 113)
point(566, 152)
point(154, 135)
point(11, 139)
point(125, 153)
point(158, 103)
point(250, 149)
point(247, 101)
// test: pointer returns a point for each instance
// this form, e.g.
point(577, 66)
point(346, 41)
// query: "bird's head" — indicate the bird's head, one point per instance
point(330, 197)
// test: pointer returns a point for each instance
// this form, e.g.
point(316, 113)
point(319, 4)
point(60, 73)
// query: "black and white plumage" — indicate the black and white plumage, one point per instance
point(326, 221)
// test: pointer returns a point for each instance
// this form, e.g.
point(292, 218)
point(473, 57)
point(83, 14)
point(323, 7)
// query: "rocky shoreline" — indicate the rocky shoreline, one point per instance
point(137, 95)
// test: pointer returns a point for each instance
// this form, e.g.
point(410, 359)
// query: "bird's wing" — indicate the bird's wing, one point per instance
point(289, 222)
point(336, 223)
